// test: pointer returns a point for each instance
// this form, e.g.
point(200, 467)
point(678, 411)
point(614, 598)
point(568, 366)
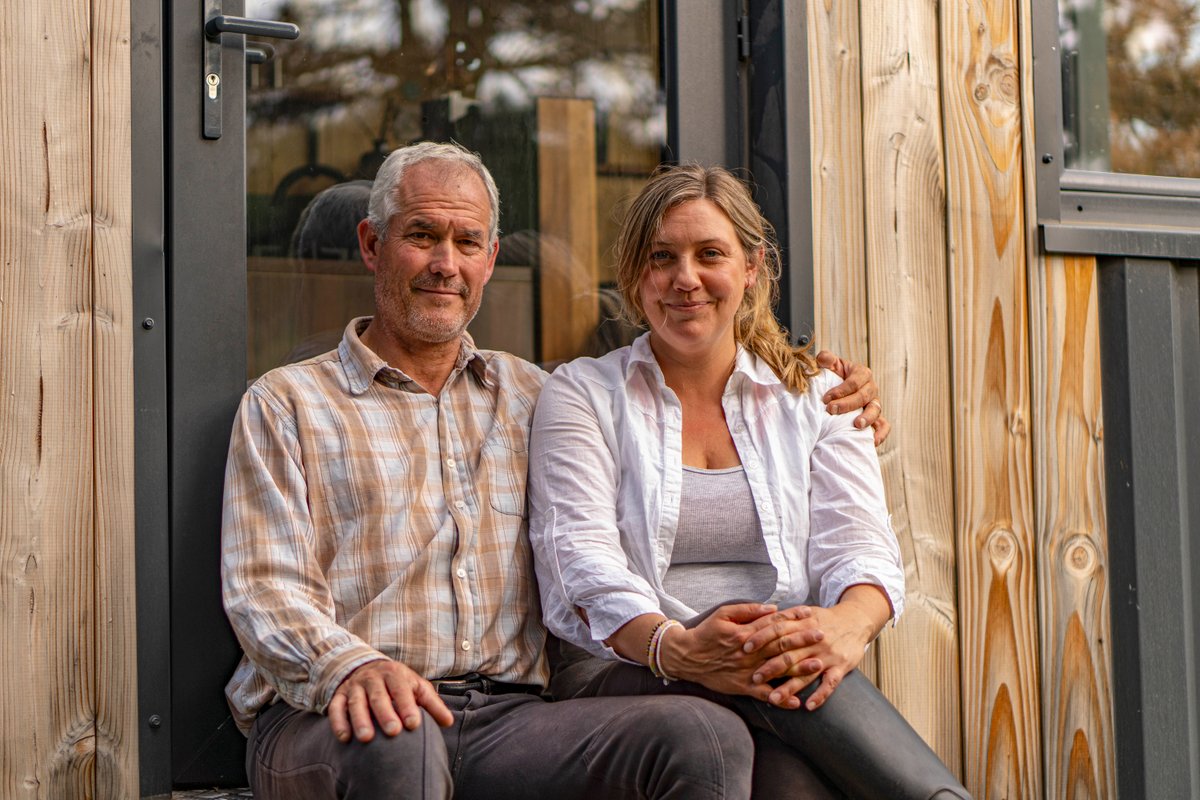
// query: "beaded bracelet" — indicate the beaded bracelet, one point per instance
point(654, 649)
point(653, 636)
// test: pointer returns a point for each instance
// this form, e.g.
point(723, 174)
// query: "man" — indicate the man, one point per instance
point(376, 567)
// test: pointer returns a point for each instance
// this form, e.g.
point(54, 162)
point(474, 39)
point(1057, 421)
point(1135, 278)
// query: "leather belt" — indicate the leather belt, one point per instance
point(458, 685)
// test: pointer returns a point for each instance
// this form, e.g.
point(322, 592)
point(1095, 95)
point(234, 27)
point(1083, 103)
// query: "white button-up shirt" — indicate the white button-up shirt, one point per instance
point(605, 477)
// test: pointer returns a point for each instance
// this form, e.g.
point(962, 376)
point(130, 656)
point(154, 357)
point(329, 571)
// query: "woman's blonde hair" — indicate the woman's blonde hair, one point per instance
point(755, 326)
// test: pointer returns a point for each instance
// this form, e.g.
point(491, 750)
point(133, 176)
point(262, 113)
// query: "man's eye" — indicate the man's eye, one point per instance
point(469, 244)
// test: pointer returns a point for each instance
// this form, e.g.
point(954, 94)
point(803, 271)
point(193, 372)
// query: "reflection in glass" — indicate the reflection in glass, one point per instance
point(562, 99)
point(1131, 85)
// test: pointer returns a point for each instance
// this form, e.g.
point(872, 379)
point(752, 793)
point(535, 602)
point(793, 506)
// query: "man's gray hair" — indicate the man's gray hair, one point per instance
point(384, 202)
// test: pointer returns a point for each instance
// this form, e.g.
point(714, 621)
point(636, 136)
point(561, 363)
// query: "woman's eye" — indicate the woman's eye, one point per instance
point(659, 256)
point(710, 252)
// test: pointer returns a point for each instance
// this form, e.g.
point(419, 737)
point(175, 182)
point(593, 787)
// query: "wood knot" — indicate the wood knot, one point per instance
point(982, 91)
point(1080, 557)
point(1008, 85)
point(85, 746)
point(1002, 548)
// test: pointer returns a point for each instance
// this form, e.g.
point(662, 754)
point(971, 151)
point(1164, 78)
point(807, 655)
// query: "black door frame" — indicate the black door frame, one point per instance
point(189, 291)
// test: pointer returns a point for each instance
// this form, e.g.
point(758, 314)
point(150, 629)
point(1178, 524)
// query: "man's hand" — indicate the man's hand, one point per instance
point(390, 692)
point(857, 390)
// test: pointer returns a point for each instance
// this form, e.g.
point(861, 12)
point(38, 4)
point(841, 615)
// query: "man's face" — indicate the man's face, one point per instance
point(431, 269)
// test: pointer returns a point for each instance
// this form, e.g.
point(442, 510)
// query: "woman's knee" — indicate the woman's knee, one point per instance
point(702, 740)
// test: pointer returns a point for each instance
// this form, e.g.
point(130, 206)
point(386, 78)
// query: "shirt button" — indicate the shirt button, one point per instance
point(449, 462)
point(739, 428)
point(466, 645)
point(462, 573)
point(752, 462)
point(459, 504)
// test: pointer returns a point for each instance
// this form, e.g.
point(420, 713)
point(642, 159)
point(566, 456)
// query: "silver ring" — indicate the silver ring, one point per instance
point(876, 402)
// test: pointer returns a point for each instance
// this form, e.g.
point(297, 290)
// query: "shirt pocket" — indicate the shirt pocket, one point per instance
point(505, 463)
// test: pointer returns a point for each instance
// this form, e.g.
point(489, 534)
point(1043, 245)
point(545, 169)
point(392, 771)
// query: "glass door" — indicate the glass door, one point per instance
point(249, 258)
point(564, 101)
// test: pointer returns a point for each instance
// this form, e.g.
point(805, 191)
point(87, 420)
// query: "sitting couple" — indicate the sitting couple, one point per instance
point(710, 540)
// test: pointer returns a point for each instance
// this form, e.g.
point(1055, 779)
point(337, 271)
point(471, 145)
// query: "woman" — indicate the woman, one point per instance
point(699, 465)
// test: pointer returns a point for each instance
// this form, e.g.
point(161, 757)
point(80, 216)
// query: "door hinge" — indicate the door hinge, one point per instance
point(743, 37)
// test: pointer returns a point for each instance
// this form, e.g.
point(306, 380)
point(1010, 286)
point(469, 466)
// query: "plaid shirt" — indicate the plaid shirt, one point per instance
point(366, 519)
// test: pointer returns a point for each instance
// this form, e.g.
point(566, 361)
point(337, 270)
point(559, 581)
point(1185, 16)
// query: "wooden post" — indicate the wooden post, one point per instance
point(988, 315)
point(836, 122)
point(69, 694)
point(1078, 747)
point(839, 257)
point(47, 572)
point(1077, 713)
point(116, 761)
point(906, 271)
point(568, 261)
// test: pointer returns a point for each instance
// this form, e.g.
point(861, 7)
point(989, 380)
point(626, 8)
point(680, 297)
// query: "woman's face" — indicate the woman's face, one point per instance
point(695, 281)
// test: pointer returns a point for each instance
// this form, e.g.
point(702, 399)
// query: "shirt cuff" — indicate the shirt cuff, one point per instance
point(610, 613)
point(326, 674)
point(834, 586)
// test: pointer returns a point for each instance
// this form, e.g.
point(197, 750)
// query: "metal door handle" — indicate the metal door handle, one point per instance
point(216, 24)
point(259, 53)
point(265, 28)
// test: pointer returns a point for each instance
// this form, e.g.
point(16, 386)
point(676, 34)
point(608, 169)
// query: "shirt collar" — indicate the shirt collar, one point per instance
point(745, 363)
point(754, 368)
point(362, 366)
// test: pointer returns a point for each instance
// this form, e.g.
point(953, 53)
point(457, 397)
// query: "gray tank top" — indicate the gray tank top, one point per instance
point(719, 553)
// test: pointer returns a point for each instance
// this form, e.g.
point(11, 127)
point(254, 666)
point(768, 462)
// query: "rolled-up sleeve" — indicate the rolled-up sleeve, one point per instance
point(274, 590)
point(578, 548)
point(851, 540)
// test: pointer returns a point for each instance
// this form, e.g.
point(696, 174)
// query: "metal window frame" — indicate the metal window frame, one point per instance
point(1103, 213)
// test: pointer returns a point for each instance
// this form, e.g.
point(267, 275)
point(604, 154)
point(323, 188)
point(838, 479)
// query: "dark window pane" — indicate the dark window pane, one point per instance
point(552, 94)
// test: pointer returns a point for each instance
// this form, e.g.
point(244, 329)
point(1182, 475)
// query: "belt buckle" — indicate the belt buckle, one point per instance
point(458, 687)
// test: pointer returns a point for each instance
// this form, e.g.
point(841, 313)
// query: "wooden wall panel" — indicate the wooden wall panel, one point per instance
point(906, 260)
point(839, 249)
point(988, 312)
point(47, 622)
point(1078, 748)
point(116, 772)
point(1077, 714)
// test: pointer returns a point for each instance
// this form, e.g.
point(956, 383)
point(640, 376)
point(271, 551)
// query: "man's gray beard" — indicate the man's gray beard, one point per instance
point(428, 328)
point(436, 330)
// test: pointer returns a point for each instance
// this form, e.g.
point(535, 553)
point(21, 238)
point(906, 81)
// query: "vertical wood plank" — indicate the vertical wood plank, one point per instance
point(567, 244)
point(1078, 747)
point(839, 249)
point(1077, 712)
point(835, 121)
point(116, 772)
point(988, 310)
point(47, 731)
point(906, 268)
